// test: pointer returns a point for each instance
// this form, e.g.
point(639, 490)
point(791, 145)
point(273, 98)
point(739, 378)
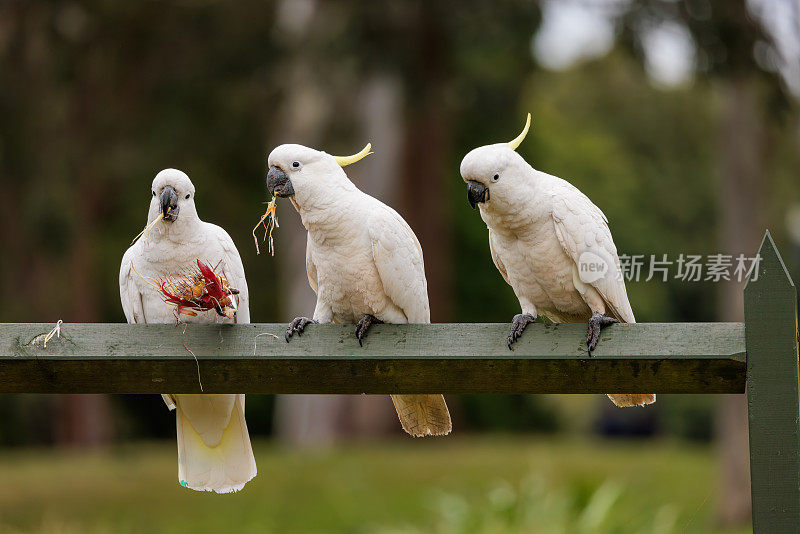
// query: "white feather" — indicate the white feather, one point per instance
point(361, 258)
point(542, 232)
point(214, 451)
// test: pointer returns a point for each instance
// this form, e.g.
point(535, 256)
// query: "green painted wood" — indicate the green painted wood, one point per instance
point(437, 358)
point(773, 395)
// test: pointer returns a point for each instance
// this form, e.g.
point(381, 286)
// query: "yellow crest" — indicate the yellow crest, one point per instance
point(347, 160)
point(518, 140)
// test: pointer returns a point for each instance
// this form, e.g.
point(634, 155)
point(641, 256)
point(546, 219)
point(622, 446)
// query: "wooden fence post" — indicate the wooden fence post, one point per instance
point(773, 394)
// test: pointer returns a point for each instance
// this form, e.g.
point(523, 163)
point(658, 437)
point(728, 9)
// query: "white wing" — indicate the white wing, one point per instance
point(496, 258)
point(582, 228)
point(311, 269)
point(128, 289)
point(232, 268)
point(398, 258)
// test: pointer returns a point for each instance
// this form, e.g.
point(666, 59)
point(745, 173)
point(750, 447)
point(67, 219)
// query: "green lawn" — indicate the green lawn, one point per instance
point(460, 485)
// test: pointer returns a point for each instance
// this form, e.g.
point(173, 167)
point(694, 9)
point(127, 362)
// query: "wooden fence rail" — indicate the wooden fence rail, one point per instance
point(761, 355)
point(438, 358)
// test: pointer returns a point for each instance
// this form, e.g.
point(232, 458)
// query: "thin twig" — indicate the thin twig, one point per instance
point(54, 332)
point(255, 341)
point(146, 228)
point(198, 366)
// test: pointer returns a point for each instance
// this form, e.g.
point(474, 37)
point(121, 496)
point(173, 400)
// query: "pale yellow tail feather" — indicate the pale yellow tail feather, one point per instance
point(224, 467)
point(423, 415)
point(627, 400)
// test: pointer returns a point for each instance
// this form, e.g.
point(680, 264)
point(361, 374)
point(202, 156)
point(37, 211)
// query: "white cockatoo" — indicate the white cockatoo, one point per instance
point(214, 452)
point(551, 244)
point(363, 261)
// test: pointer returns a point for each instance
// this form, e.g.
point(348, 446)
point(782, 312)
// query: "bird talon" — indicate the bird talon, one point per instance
point(518, 325)
point(297, 326)
point(363, 326)
point(596, 325)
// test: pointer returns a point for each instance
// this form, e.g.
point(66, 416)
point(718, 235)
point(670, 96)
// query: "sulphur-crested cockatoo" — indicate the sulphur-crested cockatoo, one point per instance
point(551, 244)
point(214, 452)
point(363, 261)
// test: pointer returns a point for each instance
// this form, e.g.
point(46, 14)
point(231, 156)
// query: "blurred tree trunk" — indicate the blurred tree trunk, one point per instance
point(379, 110)
point(83, 420)
point(406, 171)
point(302, 420)
point(62, 279)
point(319, 420)
point(425, 169)
point(741, 198)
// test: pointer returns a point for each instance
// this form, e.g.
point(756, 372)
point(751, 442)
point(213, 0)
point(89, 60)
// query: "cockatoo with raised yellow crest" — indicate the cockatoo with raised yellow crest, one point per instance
point(551, 244)
point(214, 452)
point(363, 261)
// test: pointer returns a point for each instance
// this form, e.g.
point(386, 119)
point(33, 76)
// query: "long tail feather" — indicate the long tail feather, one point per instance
point(423, 415)
point(627, 400)
point(222, 464)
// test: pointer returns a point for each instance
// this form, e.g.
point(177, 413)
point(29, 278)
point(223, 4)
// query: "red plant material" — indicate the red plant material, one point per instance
point(198, 291)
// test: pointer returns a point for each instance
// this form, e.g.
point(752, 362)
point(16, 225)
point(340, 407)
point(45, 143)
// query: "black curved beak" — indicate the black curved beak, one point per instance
point(169, 203)
point(278, 183)
point(476, 193)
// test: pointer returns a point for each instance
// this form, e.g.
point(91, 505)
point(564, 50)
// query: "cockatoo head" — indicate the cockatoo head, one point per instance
point(172, 196)
point(493, 173)
point(307, 175)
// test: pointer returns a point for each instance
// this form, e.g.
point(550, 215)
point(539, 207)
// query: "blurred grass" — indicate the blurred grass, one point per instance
point(458, 485)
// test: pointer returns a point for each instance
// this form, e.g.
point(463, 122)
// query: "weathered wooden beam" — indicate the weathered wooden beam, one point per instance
point(773, 395)
point(437, 358)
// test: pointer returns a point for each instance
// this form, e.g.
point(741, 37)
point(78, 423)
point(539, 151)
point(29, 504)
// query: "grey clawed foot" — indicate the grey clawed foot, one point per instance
point(596, 324)
point(363, 325)
point(297, 326)
point(518, 324)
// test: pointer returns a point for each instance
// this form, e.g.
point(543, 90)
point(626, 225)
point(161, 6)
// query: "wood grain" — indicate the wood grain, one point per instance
point(436, 358)
point(773, 395)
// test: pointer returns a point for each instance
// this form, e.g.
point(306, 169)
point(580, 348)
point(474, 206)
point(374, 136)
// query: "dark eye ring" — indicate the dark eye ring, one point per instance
point(188, 195)
point(296, 164)
point(496, 177)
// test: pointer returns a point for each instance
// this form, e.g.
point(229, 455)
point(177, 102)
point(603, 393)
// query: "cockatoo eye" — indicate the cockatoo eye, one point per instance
point(154, 193)
point(496, 177)
point(187, 195)
point(296, 164)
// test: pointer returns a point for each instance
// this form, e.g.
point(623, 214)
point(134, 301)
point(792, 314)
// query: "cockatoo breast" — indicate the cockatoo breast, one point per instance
point(161, 255)
point(347, 281)
point(340, 248)
point(536, 265)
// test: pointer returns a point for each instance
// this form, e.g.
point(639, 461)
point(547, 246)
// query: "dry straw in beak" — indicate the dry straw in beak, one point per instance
point(146, 228)
point(270, 222)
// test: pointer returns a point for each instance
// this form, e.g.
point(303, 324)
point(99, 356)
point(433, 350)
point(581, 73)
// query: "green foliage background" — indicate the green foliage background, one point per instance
point(98, 96)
